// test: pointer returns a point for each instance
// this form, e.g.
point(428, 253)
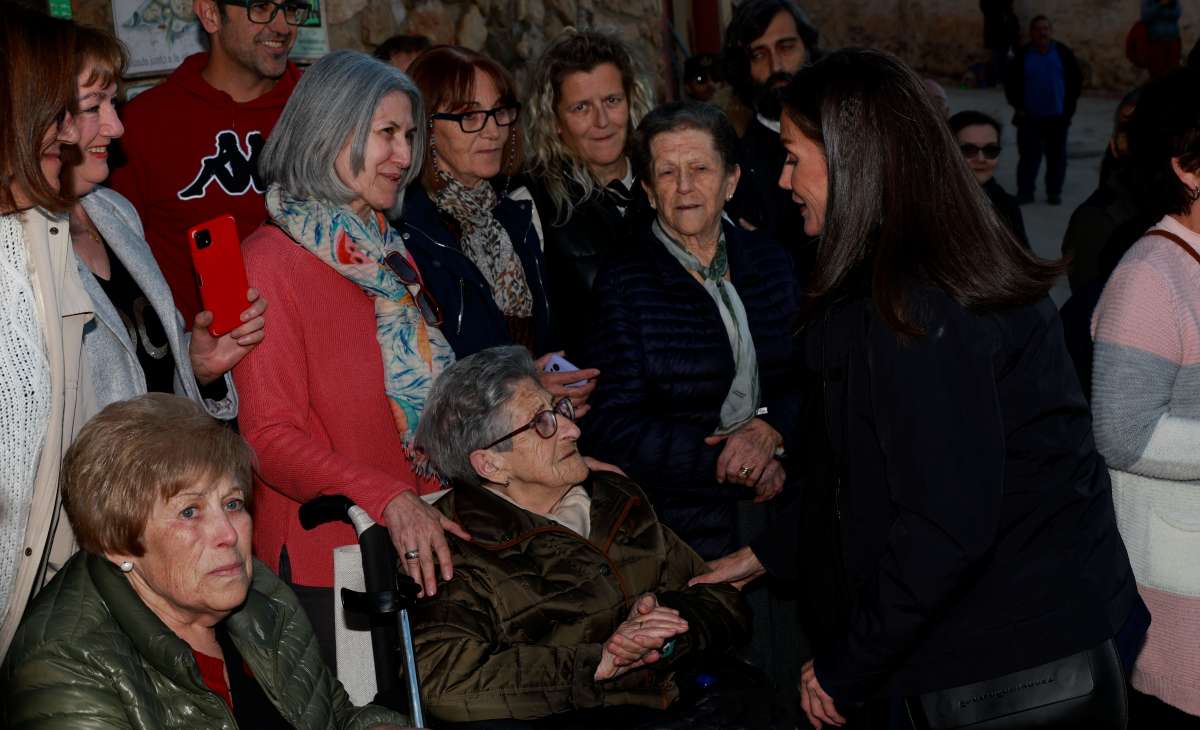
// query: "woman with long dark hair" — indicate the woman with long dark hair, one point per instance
point(957, 535)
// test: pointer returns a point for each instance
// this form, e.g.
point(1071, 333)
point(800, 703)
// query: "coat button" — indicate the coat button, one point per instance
point(404, 236)
point(605, 570)
point(54, 230)
point(28, 552)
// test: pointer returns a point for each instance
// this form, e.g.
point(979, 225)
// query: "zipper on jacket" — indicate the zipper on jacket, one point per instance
point(462, 301)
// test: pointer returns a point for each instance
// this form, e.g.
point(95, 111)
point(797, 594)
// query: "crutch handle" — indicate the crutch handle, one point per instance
point(330, 508)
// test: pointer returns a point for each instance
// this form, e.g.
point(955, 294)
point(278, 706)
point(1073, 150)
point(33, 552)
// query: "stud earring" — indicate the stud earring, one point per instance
point(126, 566)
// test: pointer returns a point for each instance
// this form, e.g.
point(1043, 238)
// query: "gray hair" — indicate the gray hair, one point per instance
point(466, 409)
point(333, 103)
point(680, 115)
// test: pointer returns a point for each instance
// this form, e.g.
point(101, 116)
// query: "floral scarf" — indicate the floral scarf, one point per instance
point(414, 352)
point(487, 244)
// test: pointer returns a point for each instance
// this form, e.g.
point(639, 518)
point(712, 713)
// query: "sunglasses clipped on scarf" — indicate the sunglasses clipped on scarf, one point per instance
point(411, 278)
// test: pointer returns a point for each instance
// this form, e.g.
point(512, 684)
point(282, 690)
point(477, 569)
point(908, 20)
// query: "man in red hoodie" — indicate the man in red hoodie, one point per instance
point(192, 142)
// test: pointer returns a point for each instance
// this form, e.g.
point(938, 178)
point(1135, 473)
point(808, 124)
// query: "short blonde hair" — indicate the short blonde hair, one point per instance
point(138, 452)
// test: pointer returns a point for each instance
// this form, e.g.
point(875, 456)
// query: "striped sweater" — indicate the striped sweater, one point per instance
point(1146, 405)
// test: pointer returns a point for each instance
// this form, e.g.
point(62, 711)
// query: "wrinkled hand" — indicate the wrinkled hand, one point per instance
point(637, 641)
point(414, 525)
point(212, 357)
point(753, 445)
point(737, 569)
point(597, 465)
point(770, 484)
point(818, 706)
point(556, 383)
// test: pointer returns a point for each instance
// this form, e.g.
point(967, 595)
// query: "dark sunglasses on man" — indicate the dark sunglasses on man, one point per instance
point(264, 11)
point(410, 277)
point(544, 422)
point(474, 121)
point(971, 151)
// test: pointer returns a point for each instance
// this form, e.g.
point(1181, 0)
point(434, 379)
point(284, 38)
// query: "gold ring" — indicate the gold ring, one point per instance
point(745, 471)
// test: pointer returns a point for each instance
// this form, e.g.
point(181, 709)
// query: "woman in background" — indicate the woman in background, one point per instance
point(588, 96)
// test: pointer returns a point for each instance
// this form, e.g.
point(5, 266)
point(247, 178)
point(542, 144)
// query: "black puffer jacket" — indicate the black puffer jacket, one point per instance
point(666, 367)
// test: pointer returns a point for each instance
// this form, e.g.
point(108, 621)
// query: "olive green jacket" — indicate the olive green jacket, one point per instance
point(518, 632)
point(90, 654)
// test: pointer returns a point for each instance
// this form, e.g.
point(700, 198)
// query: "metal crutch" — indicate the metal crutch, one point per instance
point(388, 592)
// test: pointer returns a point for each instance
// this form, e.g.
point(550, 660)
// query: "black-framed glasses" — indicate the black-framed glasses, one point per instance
point(544, 422)
point(970, 151)
point(409, 276)
point(264, 11)
point(475, 121)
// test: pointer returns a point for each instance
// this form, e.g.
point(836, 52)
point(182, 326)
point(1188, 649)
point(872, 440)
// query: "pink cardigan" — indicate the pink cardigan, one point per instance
point(313, 406)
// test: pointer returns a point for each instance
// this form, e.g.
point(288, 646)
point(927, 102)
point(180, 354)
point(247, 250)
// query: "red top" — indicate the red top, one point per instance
point(212, 671)
point(313, 406)
point(192, 153)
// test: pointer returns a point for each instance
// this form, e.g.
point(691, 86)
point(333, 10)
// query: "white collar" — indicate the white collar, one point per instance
point(771, 124)
point(573, 511)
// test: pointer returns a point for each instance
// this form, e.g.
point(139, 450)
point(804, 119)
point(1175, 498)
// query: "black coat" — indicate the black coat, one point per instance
point(666, 367)
point(471, 319)
point(1014, 85)
point(575, 250)
point(758, 199)
point(1009, 211)
point(973, 528)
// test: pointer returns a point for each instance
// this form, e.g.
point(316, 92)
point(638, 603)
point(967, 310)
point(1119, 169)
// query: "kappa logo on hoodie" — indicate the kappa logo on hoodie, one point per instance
point(232, 166)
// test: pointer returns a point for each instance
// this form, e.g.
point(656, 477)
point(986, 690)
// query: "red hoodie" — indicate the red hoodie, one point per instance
point(192, 153)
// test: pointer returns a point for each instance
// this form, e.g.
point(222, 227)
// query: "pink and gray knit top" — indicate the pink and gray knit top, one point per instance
point(1146, 405)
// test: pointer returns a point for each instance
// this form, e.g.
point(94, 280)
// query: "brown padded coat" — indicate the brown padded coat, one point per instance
point(519, 631)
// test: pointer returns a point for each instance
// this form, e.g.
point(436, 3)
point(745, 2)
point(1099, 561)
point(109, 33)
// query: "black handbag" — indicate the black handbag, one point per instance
point(1083, 690)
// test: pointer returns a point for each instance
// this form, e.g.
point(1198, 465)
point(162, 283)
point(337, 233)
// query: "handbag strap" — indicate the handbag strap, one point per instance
point(1176, 240)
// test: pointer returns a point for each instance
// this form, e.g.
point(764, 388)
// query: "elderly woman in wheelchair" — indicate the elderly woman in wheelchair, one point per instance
point(572, 595)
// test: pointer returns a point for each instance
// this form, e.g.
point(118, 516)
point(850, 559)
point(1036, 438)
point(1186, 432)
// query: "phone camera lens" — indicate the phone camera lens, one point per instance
point(203, 239)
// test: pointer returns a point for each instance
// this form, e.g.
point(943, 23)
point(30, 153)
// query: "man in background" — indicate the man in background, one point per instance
point(1043, 86)
point(765, 45)
point(400, 50)
point(192, 142)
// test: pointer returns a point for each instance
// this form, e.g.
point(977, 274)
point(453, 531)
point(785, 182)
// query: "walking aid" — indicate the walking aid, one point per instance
point(388, 592)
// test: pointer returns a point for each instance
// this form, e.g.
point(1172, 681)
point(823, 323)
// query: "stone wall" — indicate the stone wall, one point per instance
point(513, 32)
point(943, 37)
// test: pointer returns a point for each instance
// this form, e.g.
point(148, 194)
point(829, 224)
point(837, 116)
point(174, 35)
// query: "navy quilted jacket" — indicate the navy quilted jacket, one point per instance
point(666, 367)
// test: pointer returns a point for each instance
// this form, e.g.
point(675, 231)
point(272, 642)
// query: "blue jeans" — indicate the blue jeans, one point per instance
point(1036, 137)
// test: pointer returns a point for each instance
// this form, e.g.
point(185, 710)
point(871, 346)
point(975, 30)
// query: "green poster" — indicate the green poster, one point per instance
point(60, 8)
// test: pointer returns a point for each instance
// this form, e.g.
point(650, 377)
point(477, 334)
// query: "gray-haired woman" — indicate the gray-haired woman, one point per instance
point(330, 405)
point(572, 596)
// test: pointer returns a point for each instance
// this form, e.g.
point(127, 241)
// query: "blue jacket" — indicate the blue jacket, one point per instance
point(471, 320)
point(666, 367)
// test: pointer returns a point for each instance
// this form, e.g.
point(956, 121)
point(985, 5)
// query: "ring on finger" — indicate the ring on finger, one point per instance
point(412, 554)
point(745, 471)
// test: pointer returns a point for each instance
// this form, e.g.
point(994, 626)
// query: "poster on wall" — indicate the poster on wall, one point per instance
point(158, 33)
point(161, 33)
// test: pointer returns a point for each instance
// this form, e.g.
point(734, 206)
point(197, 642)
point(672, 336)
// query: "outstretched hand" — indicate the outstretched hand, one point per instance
point(737, 569)
point(638, 641)
point(817, 704)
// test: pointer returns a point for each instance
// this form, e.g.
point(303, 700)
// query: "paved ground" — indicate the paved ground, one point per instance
point(1088, 137)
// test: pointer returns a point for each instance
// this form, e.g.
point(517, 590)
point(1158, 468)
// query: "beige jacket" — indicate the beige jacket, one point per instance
point(64, 308)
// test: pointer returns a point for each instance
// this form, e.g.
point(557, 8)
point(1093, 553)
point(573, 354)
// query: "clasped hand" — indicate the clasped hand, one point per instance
point(639, 640)
point(748, 459)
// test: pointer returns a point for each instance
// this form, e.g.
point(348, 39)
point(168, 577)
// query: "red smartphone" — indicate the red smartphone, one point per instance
point(220, 272)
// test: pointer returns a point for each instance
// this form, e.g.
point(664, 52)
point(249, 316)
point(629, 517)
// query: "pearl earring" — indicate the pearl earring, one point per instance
point(126, 566)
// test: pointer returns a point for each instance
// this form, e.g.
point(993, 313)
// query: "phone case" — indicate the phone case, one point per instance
point(220, 271)
point(558, 364)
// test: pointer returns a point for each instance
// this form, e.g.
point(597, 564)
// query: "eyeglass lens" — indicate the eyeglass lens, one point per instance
point(476, 121)
point(264, 12)
point(546, 422)
point(990, 151)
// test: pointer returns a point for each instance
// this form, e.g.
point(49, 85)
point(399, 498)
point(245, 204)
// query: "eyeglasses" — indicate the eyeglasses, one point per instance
point(970, 151)
point(472, 122)
point(544, 422)
point(264, 11)
point(409, 276)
